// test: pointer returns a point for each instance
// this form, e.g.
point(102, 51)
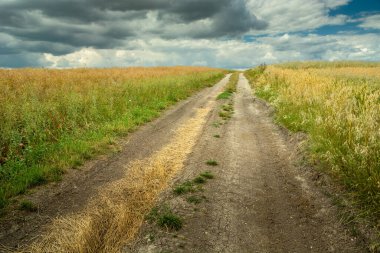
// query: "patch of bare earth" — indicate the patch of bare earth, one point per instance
point(259, 199)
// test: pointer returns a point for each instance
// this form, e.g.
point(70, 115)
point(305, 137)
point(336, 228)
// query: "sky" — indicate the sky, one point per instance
point(216, 33)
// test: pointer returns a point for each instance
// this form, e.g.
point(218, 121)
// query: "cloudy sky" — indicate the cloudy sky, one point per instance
point(218, 33)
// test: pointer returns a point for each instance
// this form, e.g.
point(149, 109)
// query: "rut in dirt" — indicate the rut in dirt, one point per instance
point(259, 200)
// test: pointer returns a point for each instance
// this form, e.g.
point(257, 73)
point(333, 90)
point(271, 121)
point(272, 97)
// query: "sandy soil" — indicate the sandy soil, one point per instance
point(259, 200)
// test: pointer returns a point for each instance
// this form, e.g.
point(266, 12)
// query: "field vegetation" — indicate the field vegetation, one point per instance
point(338, 106)
point(52, 120)
point(230, 87)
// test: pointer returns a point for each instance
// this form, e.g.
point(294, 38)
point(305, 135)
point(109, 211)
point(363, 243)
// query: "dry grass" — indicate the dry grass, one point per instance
point(113, 218)
point(324, 64)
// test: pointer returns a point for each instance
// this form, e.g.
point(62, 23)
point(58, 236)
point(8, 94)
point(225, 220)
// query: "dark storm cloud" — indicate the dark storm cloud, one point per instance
point(21, 60)
point(62, 26)
point(129, 5)
point(192, 10)
point(235, 20)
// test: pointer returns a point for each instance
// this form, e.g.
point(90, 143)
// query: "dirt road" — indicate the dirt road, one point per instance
point(258, 200)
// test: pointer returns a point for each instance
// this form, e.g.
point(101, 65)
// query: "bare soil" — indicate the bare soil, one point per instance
point(260, 200)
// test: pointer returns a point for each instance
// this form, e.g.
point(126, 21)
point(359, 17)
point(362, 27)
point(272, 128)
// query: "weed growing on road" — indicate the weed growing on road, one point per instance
point(230, 87)
point(199, 180)
point(224, 95)
point(194, 199)
point(164, 217)
point(184, 188)
point(227, 111)
point(216, 124)
point(212, 163)
point(207, 174)
point(227, 107)
point(217, 136)
point(170, 221)
point(190, 186)
point(28, 205)
point(224, 115)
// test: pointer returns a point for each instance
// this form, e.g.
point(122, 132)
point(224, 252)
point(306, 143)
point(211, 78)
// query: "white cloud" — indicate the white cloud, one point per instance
point(371, 22)
point(296, 15)
point(228, 54)
point(82, 58)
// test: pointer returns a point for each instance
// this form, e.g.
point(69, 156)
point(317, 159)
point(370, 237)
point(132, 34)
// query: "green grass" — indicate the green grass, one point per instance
point(170, 221)
point(224, 95)
point(54, 120)
point(230, 87)
point(212, 163)
point(194, 199)
point(216, 124)
point(253, 74)
point(227, 107)
point(224, 115)
point(164, 217)
point(193, 185)
point(207, 174)
point(227, 111)
point(199, 180)
point(27, 205)
point(184, 188)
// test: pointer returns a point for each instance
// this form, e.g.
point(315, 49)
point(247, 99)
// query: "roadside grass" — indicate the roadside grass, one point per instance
point(341, 115)
point(53, 120)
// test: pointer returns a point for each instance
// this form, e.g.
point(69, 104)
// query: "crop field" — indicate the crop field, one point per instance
point(52, 120)
point(338, 106)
